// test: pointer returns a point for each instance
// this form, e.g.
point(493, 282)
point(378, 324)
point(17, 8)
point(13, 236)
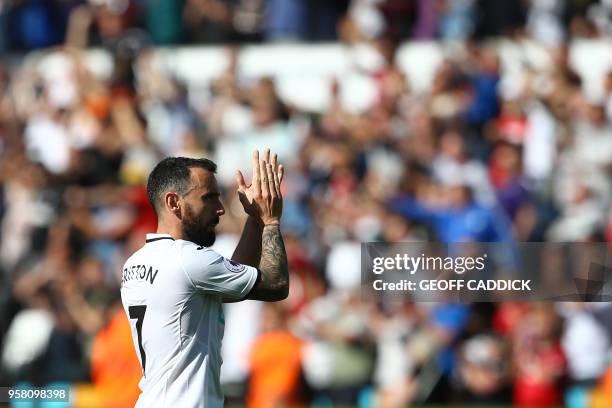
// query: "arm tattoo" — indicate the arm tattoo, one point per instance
point(273, 264)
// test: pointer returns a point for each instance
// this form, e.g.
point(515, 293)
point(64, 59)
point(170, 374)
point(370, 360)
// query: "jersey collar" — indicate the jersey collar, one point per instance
point(157, 237)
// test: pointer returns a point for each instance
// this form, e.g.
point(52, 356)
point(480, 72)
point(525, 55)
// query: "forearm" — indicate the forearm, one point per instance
point(248, 250)
point(273, 265)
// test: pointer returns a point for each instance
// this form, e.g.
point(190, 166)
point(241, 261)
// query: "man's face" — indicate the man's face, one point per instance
point(201, 208)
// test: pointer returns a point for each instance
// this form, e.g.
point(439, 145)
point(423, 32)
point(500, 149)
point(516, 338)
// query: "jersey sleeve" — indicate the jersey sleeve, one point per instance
point(212, 273)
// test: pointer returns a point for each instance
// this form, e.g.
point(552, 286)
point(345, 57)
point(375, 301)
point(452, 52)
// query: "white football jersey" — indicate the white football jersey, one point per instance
point(172, 292)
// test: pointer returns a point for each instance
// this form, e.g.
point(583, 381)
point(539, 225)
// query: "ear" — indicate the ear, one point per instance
point(172, 204)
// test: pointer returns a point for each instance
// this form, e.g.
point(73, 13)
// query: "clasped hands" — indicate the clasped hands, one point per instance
point(262, 199)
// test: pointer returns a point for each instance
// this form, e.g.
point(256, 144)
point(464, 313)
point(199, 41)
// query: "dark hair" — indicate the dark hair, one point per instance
point(173, 174)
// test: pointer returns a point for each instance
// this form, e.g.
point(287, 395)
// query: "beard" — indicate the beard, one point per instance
point(199, 232)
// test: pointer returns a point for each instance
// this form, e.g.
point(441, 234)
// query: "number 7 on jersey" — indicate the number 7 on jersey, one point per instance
point(138, 313)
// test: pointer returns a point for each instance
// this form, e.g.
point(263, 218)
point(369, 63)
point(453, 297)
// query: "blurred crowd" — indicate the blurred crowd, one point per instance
point(30, 24)
point(470, 159)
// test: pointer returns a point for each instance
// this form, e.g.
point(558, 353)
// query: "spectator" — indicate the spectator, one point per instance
point(484, 370)
point(115, 367)
point(275, 363)
point(450, 215)
point(285, 20)
point(538, 358)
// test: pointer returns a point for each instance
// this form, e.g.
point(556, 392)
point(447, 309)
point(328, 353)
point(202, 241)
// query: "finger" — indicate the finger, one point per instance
point(244, 200)
point(271, 186)
point(274, 162)
point(265, 189)
point(256, 173)
point(267, 155)
point(240, 181)
point(276, 183)
point(281, 173)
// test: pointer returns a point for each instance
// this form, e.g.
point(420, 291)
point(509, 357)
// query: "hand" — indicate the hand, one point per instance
point(263, 199)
